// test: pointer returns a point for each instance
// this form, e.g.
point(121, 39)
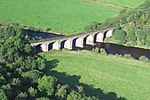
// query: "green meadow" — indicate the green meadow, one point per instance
point(64, 16)
point(127, 78)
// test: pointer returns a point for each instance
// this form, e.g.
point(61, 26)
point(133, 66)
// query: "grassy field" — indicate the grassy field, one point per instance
point(67, 16)
point(127, 78)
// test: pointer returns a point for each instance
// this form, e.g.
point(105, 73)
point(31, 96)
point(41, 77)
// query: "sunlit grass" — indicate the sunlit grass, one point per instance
point(66, 16)
point(128, 78)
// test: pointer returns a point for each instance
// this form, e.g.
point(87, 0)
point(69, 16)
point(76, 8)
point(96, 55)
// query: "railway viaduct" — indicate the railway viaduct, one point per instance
point(75, 41)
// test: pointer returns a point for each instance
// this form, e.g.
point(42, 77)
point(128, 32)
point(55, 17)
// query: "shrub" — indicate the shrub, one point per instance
point(47, 84)
point(62, 91)
point(96, 50)
point(92, 27)
point(2, 95)
point(143, 59)
point(42, 98)
point(103, 52)
point(128, 56)
point(32, 91)
point(120, 35)
point(80, 89)
point(22, 96)
point(75, 96)
point(49, 29)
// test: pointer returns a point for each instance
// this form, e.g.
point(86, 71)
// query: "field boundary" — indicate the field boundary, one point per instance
point(108, 4)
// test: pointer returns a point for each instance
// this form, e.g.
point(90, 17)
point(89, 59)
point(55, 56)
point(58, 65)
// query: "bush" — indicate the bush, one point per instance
point(117, 55)
point(92, 27)
point(2, 95)
point(62, 91)
point(96, 50)
point(32, 91)
point(80, 89)
point(103, 52)
point(47, 85)
point(120, 35)
point(42, 98)
point(75, 96)
point(48, 29)
point(22, 96)
point(128, 56)
point(143, 59)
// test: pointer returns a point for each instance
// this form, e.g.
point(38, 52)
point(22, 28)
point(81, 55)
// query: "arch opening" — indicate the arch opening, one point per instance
point(50, 45)
point(62, 44)
point(38, 48)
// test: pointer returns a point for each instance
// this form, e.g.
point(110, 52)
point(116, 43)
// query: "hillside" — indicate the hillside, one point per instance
point(133, 26)
point(65, 16)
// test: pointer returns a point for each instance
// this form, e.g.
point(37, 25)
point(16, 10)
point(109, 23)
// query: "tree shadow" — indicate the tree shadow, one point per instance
point(39, 34)
point(51, 64)
point(73, 81)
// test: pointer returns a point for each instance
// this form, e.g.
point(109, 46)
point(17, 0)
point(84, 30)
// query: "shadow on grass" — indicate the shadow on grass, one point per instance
point(72, 81)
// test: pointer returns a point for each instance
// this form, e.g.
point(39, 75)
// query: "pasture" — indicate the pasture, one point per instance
point(64, 16)
point(127, 78)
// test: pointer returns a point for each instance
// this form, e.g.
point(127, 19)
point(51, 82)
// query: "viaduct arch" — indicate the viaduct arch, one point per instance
point(75, 41)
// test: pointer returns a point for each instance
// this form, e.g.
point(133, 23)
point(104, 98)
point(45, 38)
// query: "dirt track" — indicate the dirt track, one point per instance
point(108, 4)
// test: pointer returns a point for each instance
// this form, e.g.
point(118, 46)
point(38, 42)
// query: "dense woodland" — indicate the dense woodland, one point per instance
point(133, 26)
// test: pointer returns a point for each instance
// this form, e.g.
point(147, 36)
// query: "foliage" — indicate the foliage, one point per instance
point(75, 96)
point(22, 96)
point(128, 56)
point(96, 50)
point(42, 98)
point(120, 35)
point(62, 91)
point(92, 27)
point(32, 91)
point(103, 51)
point(2, 95)
point(47, 84)
point(144, 59)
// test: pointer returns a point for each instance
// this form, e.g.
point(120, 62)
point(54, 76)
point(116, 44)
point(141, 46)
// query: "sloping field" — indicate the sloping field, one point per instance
point(126, 77)
point(68, 16)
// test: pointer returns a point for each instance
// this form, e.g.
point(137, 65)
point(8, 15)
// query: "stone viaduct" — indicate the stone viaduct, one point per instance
point(75, 41)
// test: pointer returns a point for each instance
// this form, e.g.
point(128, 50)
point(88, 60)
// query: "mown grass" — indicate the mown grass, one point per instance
point(127, 78)
point(66, 16)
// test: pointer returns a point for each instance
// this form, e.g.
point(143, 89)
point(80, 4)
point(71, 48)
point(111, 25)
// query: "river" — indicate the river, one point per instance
point(110, 48)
